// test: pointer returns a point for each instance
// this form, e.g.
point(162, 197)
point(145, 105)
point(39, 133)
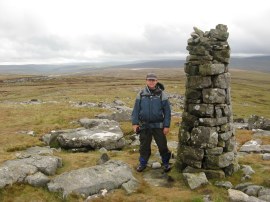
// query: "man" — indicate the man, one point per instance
point(151, 117)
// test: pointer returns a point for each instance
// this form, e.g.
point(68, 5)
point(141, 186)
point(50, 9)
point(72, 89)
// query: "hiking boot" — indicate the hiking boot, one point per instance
point(140, 168)
point(167, 168)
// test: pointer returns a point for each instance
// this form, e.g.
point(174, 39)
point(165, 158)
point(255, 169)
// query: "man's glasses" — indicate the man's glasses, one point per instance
point(152, 80)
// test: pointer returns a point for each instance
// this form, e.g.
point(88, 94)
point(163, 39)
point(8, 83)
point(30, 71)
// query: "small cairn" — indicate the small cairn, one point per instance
point(207, 137)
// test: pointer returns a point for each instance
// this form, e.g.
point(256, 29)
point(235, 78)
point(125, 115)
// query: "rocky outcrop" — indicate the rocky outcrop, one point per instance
point(29, 168)
point(95, 134)
point(89, 181)
point(207, 137)
point(254, 146)
point(258, 122)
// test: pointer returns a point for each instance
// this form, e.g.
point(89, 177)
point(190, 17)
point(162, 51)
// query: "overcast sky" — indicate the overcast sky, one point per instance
point(56, 31)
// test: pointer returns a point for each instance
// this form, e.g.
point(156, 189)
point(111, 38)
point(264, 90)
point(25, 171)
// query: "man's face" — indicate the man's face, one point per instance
point(151, 83)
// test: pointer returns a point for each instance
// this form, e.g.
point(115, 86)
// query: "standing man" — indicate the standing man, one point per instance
point(151, 117)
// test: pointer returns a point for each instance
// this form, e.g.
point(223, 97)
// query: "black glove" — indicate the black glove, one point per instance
point(138, 130)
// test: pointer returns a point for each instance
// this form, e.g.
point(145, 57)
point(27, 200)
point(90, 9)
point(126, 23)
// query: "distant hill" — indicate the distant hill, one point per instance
point(258, 63)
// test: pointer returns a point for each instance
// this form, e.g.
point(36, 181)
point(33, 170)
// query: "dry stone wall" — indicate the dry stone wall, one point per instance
point(206, 137)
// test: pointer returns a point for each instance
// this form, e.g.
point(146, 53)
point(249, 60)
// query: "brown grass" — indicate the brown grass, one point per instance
point(249, 95)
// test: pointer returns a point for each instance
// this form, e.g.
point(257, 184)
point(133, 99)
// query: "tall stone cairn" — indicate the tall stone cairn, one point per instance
point(207, 137)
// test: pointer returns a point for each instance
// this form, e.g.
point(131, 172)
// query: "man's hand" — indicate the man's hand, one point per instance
point(166, 131)
point(135, 127)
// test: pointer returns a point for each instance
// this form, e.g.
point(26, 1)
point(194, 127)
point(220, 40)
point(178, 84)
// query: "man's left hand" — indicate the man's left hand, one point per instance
point(166, 131)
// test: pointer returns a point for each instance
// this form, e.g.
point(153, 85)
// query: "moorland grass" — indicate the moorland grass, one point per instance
point(250, 95)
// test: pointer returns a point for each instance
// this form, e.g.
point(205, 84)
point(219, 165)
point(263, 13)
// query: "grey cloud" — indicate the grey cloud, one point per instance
point(251, 34)
point(25, 39)
point(155, 40)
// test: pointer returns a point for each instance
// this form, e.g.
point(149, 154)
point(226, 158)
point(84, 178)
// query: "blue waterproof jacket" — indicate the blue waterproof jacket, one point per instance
point(152, 108)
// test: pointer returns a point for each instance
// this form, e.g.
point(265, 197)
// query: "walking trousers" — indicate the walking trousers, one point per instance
point(145, 143)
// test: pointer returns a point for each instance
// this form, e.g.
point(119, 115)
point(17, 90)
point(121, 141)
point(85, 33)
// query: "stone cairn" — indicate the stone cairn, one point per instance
point(206, 137)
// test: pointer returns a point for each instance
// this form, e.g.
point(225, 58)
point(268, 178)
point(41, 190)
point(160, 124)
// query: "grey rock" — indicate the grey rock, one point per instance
point(131, 186)
point(204, 137)
point(251, 146)
point(37, 180)
point(45, 164)
point(198, 82)
point(254, 199)
point(258, 122)
point(265, 148)
point(213, 121)
point(265, 197)
point(210, 174)
point(103, 158)
point(264, 191)
point(222, 81)
point(247, 170)
point(245, 177)
point(101, 124)
point(195, 180)
point(206, 110)
point(119, 102)
point(120, 115)
point(253, 190)
point(243, 186)
point(261, 133)
point(17, 170)
point(241, 125)
point(157, 178)
point(191, 156)
point(266, 156)
point(214, 95)
point(15, 173)
point(220, 161)
point(94, 139)
point(156, 165)
point(224, 184)
point(103, 150)
point(39, 151)
point(226, 136)
point(90, 181)
point(237, 196)
point(214, 151)
point(211, 69)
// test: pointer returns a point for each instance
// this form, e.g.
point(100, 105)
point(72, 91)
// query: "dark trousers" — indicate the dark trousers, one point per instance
point(145, 143)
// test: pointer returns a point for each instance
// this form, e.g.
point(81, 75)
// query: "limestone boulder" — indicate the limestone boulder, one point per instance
point(20, 170)
point(95, 134)
point(89, 181)
point(91, 139)
point(258, 122)
point(195, 180)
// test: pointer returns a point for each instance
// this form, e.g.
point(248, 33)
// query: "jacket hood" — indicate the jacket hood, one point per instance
point(160, 86)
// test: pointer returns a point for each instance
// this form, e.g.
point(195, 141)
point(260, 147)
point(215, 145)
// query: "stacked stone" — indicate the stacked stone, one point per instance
point(206, 137)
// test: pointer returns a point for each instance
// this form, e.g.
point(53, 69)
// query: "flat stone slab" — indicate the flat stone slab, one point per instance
point(251, 146)
point(37, 151)
point(158, 178)
point(261, 133)
point(18, 170)
point(91, 139)
point(89, 181)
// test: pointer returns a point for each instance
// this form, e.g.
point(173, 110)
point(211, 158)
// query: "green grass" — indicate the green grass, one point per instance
point(250, 95)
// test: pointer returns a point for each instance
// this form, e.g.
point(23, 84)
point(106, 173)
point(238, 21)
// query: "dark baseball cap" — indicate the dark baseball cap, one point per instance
point(151, 76)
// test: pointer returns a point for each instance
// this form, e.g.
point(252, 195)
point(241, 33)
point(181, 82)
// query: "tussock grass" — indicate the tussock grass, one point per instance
point(249, 96)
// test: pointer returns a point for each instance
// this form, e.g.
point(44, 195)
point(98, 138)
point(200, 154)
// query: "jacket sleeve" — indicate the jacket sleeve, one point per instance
point(166, 112)
point(136, 110)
